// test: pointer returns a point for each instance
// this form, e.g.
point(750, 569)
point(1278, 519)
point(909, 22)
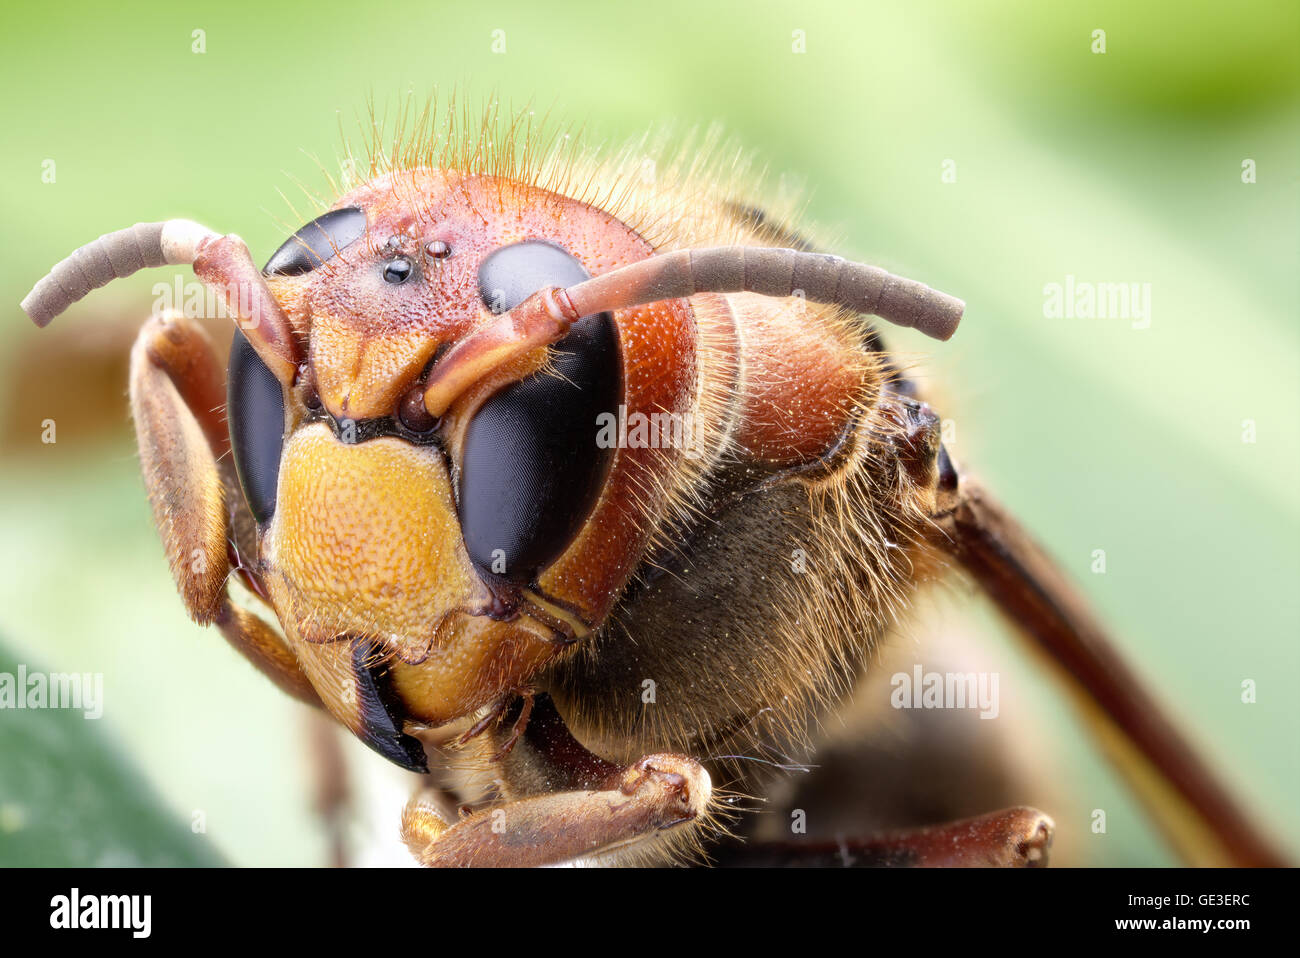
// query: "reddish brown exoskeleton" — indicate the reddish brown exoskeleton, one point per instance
point(526, 474)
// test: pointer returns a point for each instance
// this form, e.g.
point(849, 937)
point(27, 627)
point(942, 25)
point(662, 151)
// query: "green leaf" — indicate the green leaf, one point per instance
point(68, 796)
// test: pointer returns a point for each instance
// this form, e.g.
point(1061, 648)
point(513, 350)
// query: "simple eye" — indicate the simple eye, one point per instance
point(317, 242)
point(255, 412)
point(532, 468)
point(397, 271)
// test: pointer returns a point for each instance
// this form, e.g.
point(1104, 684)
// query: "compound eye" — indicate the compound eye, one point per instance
point(255, 413)
point(318, 241)
point(513, 273)
point(532, 467)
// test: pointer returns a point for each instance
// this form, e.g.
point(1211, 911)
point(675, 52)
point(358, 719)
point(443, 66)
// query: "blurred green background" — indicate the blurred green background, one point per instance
point(1123, 166)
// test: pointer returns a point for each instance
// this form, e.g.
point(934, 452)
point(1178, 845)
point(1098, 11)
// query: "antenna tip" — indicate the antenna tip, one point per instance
point(941, 320)
point(909, 303)
point(38, 310)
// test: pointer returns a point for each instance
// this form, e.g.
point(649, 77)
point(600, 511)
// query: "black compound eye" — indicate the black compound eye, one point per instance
point(513, 273)
point(255, 413)
point(397, 271)
point(532, 467)
point(317, 242)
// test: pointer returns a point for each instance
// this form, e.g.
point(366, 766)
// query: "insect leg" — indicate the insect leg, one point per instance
point(1188, 800)
point(258, 642)
point(177, 402)
point(1013, 838)
point(563, 803)
point(331, 789)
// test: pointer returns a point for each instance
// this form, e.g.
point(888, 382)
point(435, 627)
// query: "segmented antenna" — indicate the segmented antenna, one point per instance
point(546, 316)
point(114, 256)
point(818, 277)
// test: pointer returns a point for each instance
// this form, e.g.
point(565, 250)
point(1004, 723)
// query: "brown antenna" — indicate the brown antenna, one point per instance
point(546, 316)
point(221, 262)
point(113, 256)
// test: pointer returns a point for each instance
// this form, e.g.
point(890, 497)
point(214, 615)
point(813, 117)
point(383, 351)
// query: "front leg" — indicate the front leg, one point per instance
point(176, 399)
point(564, 803)
point(177, 402)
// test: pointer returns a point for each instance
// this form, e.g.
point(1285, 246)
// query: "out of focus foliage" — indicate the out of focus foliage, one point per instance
point(1123, 167)
point(70, 796)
